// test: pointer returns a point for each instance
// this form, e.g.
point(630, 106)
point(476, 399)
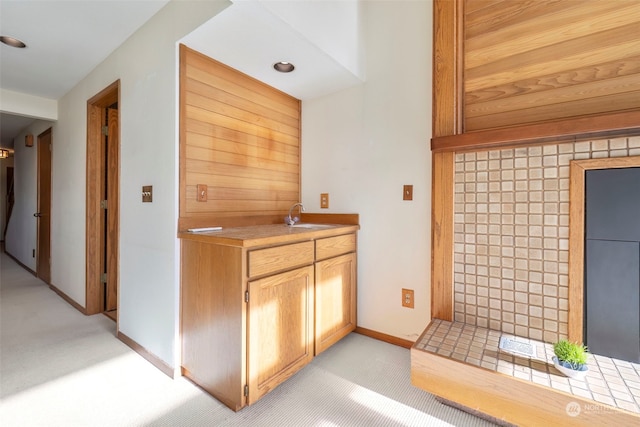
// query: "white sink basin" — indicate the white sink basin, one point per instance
point(309, 225)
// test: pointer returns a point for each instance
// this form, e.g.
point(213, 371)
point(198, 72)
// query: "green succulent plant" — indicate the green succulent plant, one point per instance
point(574, 354)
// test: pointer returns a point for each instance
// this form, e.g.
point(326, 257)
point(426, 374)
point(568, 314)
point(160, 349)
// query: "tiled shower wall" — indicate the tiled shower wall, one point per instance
point(512, 235)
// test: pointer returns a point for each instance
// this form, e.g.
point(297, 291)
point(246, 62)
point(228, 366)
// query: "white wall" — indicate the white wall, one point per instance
point(146, 65)
point(22, 229)
point(362, 145)
point(4, 164)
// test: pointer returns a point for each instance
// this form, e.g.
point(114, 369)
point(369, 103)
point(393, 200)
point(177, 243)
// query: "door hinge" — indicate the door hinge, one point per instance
point(105, 130)
point(50, 147)
point(103, 204)
point(246, 390)
point(103, 278)
point(246, 296)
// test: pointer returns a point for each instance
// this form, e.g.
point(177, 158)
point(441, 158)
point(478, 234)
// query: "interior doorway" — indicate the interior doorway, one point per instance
point(103, 195)
point(43, 246)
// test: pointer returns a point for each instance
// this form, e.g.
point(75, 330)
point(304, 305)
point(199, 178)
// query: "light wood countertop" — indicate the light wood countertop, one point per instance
point(265, 235)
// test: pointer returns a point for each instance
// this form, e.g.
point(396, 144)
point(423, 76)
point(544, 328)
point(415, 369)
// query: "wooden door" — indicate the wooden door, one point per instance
point(102, 215)
point(112, 213)
point(335, 298)
point(43, 252)
point(280, 325)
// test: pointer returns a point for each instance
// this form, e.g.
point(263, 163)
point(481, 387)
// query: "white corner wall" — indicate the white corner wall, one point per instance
point(146, 65)
point(22, 229)
point(362, 145)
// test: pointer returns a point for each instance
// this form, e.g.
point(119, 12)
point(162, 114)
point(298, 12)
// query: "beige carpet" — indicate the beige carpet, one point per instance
point(60, 368)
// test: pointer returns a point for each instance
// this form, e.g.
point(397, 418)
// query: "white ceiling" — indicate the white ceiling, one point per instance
point(67, 39)
point(252, 35)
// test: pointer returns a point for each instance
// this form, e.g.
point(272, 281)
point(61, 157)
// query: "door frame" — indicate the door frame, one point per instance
point(95, 240)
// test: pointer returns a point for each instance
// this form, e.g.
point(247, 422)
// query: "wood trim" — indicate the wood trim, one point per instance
point(107, 96)
point(182, 143)
point(384, 337)
point(577, 169)
point(447, 67)
point(506, 398)
point(442, 225)
point(603, 126)
point(330, 218)
point(68, 299)
point(147, 355)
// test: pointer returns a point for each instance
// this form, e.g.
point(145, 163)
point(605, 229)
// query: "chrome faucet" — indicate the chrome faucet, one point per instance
point(291, 221)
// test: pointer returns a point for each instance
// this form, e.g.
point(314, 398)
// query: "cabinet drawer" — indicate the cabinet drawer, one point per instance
point(270, 260)
point(333, 246)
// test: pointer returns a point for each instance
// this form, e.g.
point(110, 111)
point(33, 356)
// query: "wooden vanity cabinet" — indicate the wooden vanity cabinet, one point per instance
point(252, 316)
point(335, 293)
point(280, 328)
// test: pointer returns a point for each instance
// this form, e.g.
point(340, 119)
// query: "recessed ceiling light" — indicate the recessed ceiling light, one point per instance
point(284, 67)
point(12, 41)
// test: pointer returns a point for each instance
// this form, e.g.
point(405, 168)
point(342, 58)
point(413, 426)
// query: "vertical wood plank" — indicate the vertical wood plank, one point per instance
point(442, 236)
point(447, 69)
point(576, 252)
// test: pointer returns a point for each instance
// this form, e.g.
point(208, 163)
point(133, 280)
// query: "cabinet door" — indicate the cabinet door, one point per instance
point(280, 327)
point(335, 300)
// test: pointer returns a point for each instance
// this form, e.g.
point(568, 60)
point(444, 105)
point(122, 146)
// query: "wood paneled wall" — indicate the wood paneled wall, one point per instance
point(533, 61)
point(240, 138)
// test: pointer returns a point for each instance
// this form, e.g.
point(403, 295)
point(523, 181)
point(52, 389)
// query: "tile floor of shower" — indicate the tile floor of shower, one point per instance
point(609, 381)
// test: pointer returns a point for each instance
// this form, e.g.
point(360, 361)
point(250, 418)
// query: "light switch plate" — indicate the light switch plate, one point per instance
point(147, 193)
point(202, 193)
point(407, 192)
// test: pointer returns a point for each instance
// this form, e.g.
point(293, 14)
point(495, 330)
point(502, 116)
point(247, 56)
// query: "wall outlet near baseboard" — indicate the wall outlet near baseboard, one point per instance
point(324, 200)
point(407, 298)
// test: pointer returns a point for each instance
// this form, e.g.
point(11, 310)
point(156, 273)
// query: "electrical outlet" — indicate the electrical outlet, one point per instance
point(407, 298)
point(202, 193)
point(324, 200)
point(407, 192)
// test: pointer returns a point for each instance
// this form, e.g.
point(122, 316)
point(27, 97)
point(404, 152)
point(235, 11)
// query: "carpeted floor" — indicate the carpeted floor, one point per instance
point(60, 368)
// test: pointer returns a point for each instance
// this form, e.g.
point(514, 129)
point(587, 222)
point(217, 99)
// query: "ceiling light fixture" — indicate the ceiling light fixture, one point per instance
point(12, 41)
point(284, 67)
point(4, 154)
